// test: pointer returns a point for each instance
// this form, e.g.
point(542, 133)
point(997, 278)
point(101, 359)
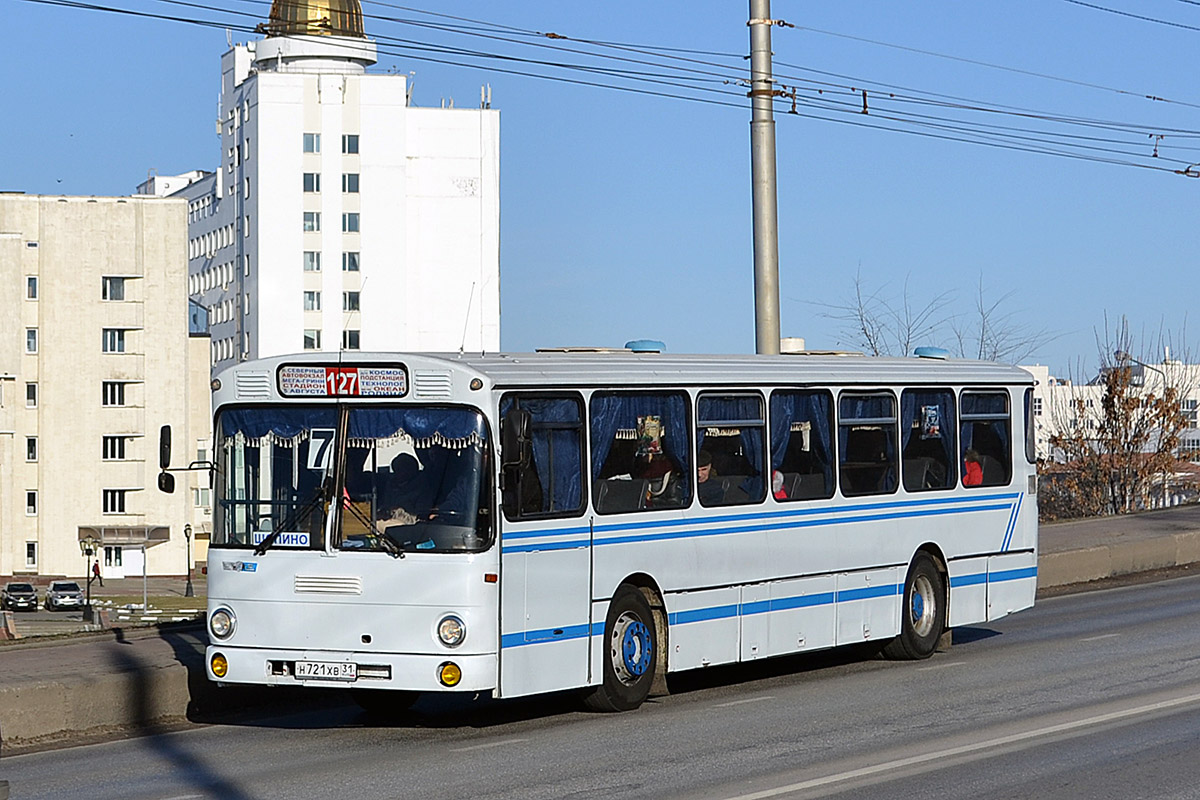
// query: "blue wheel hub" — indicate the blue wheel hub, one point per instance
point(918, 606)
point(635, 648)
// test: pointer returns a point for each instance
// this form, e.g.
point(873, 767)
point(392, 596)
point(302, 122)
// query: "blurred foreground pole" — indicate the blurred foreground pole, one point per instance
point(762, 177)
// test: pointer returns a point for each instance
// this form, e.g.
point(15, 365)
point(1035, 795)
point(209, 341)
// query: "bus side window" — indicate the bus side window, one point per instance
point(729, 434)
point(927, 430)
point(867, 443)
point(550, 482)
point(802, 444)
point(986, 438)
point(640, 439)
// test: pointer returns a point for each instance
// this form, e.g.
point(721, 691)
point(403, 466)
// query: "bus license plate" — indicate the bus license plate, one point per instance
point(326, 671)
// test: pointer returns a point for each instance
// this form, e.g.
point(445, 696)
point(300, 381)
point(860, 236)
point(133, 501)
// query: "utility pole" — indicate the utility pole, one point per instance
point(762, 178)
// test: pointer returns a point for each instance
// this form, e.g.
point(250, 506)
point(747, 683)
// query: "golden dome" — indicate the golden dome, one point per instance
point(316, 18)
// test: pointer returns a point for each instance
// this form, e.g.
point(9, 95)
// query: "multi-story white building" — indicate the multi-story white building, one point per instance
point(96, 356)
point(340, 216)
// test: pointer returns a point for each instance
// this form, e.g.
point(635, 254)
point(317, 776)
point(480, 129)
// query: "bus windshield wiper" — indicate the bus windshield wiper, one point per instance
point(391, 547)
point(295, 516)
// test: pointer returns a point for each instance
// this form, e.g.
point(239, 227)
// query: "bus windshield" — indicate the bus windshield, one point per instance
point(415, 474)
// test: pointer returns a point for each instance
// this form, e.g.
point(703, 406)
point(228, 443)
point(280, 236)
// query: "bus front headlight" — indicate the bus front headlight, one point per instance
point(221, 623)
point(452, 631)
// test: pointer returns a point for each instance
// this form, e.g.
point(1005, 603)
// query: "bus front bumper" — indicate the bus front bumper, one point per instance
point(360, 670)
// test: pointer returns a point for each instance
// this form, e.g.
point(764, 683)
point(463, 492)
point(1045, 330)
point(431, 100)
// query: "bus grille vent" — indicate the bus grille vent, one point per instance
point(430, 383)
point(324, 584)
point(253, 385)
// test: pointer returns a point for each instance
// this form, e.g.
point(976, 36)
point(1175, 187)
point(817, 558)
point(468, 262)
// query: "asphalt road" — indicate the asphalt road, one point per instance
point(1087, 695)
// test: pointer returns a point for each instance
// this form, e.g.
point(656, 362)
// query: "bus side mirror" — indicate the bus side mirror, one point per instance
point(166, 482)
point(516, 444)
point(164, 447)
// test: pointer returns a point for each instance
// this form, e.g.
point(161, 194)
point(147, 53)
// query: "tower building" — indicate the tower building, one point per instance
point(340, 216)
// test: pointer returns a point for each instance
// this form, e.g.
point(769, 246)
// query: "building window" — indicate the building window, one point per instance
point(31, 395)
point(247, 194)
point(31, 343)
point(312, 301)
point(349, 340)
point(350, 222)
point(312, 142)
point(350, 301)
point(312, 220)
point(114, 340)
point(113, 448)
point(31, 453)
point(30, 555)
point(1037, 406)
point(350, 182)
point(114, 393)
point(114, 501)
point(112, 288)
point(350, 261)
point(350, 143)
point(31, 287)
point(312, 339)
point(31, 503)
point(312, 181)
point(312, 261)
point(200, 498)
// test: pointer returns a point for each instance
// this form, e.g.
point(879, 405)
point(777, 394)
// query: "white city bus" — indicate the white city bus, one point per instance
point(408, 523)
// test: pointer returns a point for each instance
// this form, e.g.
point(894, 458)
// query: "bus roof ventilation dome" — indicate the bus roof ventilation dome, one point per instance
point(646, 346)
point(939, 353)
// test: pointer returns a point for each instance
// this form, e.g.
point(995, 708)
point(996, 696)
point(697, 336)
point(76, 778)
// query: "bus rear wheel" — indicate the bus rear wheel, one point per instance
point(923, 615)
point(630, 653)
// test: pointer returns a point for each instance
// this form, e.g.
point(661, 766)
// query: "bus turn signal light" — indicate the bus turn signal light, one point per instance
point(449, 674)
point(219, 665)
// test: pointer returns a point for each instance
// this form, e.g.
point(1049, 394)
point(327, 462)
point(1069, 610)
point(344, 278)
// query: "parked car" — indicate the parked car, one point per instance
point(63, 594)
point(18, 595)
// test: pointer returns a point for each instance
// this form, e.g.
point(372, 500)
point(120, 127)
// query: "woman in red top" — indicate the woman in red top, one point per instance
point(973, 474)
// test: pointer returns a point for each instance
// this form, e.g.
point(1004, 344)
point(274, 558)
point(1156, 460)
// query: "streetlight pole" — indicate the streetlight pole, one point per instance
point(762, 178)
point(88, 545)
point(1122, 355)
point(188, 591)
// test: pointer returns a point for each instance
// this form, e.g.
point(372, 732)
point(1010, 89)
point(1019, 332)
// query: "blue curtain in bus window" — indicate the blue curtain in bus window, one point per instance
point(453, 428)
point(734, 412)
point(564, 473)
point(788, 408)
point(612, 412)
point(915, 423)
point(872, 409)
point(283, 422)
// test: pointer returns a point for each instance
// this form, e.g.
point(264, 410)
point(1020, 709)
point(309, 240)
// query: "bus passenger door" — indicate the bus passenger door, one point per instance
point(545, 604)
point(545, 556)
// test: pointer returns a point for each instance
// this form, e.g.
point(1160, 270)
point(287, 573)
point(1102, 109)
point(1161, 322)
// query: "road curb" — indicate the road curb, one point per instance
point(1114, 560)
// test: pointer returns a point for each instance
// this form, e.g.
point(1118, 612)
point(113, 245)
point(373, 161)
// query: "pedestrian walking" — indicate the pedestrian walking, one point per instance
point(96, 572)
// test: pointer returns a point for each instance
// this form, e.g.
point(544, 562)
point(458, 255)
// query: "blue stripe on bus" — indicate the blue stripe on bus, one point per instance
point(759, 607)
point(804, 512)
point(690, 528)
point(1012, 575)
point(1012, 524)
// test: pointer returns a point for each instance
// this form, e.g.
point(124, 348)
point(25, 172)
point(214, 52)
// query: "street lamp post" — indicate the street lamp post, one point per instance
point(188, 591)
point(1122, 355)
point(88, 545)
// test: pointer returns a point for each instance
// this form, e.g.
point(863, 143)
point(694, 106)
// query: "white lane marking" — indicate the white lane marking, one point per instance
point(999, 741)
point(184, 797)
point(742, 702)
point(941, 666)
point(1098, 638)
point(487, 746)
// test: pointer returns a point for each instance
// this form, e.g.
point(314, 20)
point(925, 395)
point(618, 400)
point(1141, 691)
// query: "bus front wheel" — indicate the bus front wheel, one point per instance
point(630, 653)
point(923, 615)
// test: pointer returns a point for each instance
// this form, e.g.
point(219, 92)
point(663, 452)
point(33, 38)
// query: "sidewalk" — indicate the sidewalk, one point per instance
point(133, 678)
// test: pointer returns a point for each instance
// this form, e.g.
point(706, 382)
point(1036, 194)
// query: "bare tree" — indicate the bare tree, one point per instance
point(991, 333)
point(889, 327)
point(1117, 437)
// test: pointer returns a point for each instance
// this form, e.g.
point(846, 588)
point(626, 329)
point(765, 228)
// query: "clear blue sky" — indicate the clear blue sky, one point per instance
point(628, 216)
